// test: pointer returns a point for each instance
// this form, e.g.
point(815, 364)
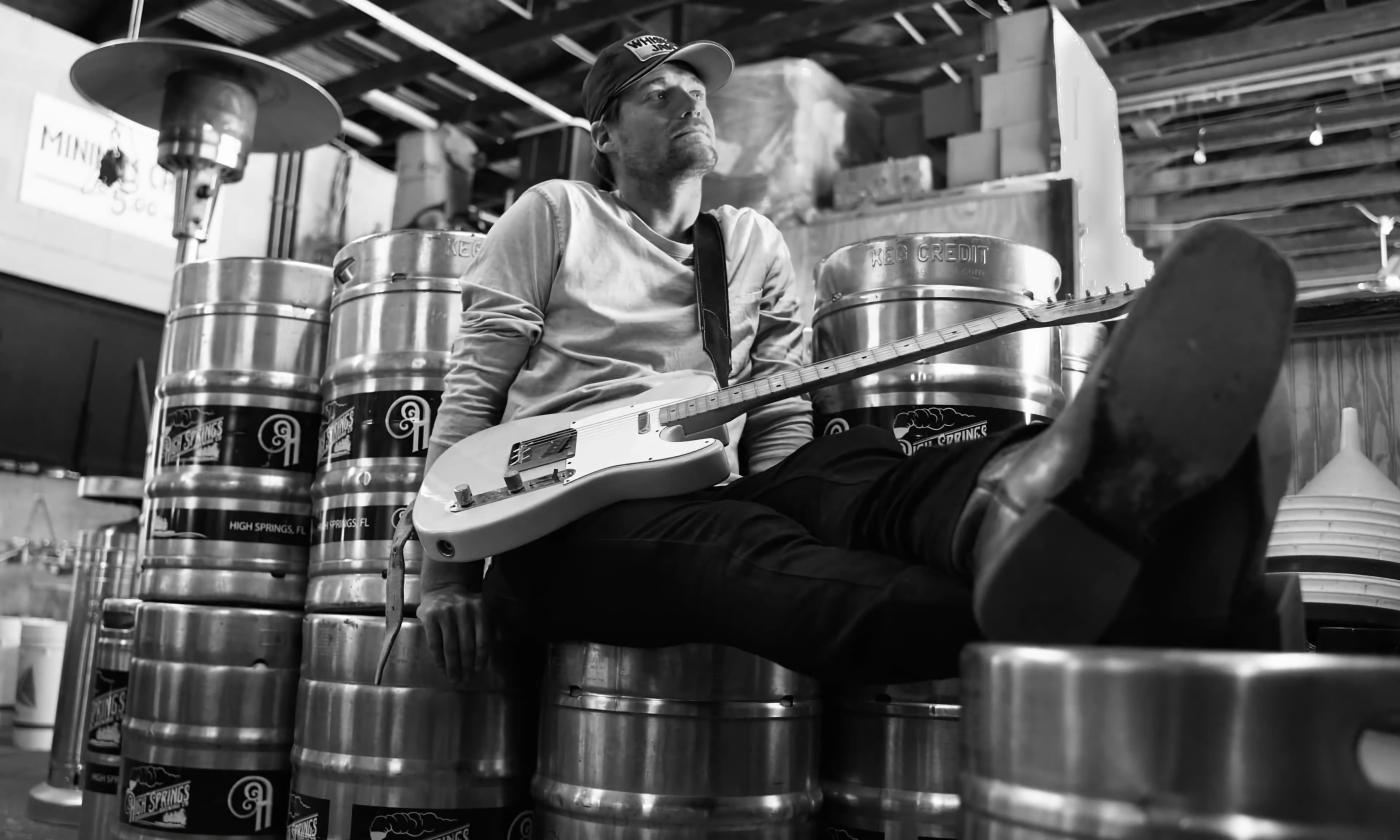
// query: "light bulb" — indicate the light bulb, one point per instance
point(1200, 156)
point(1315, 137)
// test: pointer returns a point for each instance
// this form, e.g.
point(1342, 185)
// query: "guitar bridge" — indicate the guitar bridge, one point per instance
point(540, 451)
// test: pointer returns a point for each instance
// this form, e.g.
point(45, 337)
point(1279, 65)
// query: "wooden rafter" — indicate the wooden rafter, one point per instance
point(1329, 157)
point(1262, 131)
point(116, 16)
point(1272, 196)
point(1283, 37)
point(494, 41)
point(309, 31)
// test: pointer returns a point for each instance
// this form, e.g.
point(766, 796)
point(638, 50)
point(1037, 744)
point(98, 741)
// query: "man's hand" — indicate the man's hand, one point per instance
point(454, 622)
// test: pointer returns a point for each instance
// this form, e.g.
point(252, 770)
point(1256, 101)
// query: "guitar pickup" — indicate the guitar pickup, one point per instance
point(643, 422)
point(527, 454)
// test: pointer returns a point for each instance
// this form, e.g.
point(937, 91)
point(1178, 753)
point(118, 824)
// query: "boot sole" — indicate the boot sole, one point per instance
point(1168, 412)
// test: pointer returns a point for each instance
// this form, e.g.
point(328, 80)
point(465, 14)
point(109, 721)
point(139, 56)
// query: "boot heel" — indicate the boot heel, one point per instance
point(1056, 581)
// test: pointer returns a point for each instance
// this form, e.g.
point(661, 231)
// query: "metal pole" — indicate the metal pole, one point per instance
point(133, 27)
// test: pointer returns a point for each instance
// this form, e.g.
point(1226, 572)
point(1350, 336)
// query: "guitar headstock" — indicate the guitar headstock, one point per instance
point(1099, 307)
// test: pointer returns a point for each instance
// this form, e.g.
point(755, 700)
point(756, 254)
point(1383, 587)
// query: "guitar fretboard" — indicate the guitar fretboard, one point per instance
point(717, 407)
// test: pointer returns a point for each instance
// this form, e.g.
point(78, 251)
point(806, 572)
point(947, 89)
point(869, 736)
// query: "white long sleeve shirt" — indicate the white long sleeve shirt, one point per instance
point(574, 298)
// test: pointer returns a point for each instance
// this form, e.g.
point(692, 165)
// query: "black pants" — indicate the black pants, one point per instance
point(837, 563)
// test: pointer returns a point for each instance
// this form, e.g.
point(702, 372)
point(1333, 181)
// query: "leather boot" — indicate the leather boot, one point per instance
point(1153, 474)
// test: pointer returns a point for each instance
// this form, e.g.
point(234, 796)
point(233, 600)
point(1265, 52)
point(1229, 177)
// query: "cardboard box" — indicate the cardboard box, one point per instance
point(880, 183)
point(1010, 97)
point(902, 133)
point(949, 109)
point(1027, 149)
point(1021, 40)
point(974, 158)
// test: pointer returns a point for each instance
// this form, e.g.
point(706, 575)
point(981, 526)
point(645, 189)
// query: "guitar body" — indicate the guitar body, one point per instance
point(568, 465)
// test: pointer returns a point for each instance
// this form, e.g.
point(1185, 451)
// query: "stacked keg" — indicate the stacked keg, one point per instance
point(105, 567)
point(102, 734)
point(889, 756)
point(415, 755)
point(674, 743)
point(206, 737)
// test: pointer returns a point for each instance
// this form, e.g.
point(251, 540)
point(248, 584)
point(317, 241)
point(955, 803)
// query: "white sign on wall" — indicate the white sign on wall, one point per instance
point(63, 169)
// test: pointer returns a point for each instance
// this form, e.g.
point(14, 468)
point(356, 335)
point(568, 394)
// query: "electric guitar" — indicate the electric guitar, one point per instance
point(513, 483)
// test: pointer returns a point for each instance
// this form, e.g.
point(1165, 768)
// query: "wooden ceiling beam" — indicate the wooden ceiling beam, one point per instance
point(1348, 264)
point(1283, 37)
point(494, 41)
point(314, 29)
point(956, 49)
point(1261, 131)
point(1357, 185)
point(1328, 241)
point(1328, 157)
point(116, 17)
point(1314, 219)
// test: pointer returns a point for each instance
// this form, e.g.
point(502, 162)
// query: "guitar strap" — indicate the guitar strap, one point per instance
point(712, 294)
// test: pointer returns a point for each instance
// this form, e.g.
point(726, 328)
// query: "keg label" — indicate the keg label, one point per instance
point(237, 436)
point(100, 778)
point(373, 822)
point(379, 424)
point(308, 817)
point(106, 707)
point(179, 523)
point(358, 522)
point(190, 800)
point(922, 426)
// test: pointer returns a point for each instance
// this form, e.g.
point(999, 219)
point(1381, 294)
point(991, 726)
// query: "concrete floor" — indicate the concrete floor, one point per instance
point(20, 771)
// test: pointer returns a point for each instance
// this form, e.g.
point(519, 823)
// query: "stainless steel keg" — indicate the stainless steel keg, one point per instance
point(394, 315)
point(450, 759)
point(880, 290)
point(1080, 345)
point(228, 497)
point(105, 567)
point(890, 761)
point(102, 730)
point(1175, 744)
point(207, 738)
point(688, 741)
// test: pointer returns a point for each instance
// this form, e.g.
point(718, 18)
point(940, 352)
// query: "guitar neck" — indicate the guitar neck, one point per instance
point(718, 407)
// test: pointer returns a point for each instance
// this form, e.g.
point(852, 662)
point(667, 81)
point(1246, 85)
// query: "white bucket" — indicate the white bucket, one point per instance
point(36, 690)
point(9, 659)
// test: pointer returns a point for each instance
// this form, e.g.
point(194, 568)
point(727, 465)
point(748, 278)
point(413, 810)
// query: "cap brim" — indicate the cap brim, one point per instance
point(712, 62)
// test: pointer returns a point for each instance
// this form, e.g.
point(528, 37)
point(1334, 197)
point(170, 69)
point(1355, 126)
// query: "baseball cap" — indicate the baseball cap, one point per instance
point(622, 63)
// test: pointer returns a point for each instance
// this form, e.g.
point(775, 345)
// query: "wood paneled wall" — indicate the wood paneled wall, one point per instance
point(1334, 367)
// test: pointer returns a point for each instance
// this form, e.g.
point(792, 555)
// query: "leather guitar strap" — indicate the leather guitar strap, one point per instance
point(712, 294)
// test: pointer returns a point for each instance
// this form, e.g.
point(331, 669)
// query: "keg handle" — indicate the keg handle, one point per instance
point(342, 271)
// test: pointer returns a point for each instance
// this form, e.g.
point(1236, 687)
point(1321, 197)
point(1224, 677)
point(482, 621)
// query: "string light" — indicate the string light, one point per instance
point(1315, 137)
point(1200, 156)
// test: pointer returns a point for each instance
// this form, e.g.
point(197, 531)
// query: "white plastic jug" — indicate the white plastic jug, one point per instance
point(36, 689)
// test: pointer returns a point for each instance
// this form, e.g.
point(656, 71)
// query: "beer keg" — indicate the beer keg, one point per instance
point(416, 752)
point(1080, 345)
point(1079, 743)
point(393, 318)
point(105, 567)
point(207, 737)
point(228, 501)
point(102, 729)
point(688, 741)
point(890, 761)
point(880, 290)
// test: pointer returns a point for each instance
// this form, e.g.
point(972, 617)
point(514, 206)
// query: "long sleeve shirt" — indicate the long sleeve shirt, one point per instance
point(573, 300)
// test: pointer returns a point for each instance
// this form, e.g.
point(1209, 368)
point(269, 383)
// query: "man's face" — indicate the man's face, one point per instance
point(664, 128)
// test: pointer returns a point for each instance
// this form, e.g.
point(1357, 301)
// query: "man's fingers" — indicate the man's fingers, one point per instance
point(432, 632)
point(450, 632)
point(483, 641)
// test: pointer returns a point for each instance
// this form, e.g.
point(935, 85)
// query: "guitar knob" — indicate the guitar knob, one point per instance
point(514, 483)
point(462, 493)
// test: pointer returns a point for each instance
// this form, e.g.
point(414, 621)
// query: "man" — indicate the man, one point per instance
point(1138, 517)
